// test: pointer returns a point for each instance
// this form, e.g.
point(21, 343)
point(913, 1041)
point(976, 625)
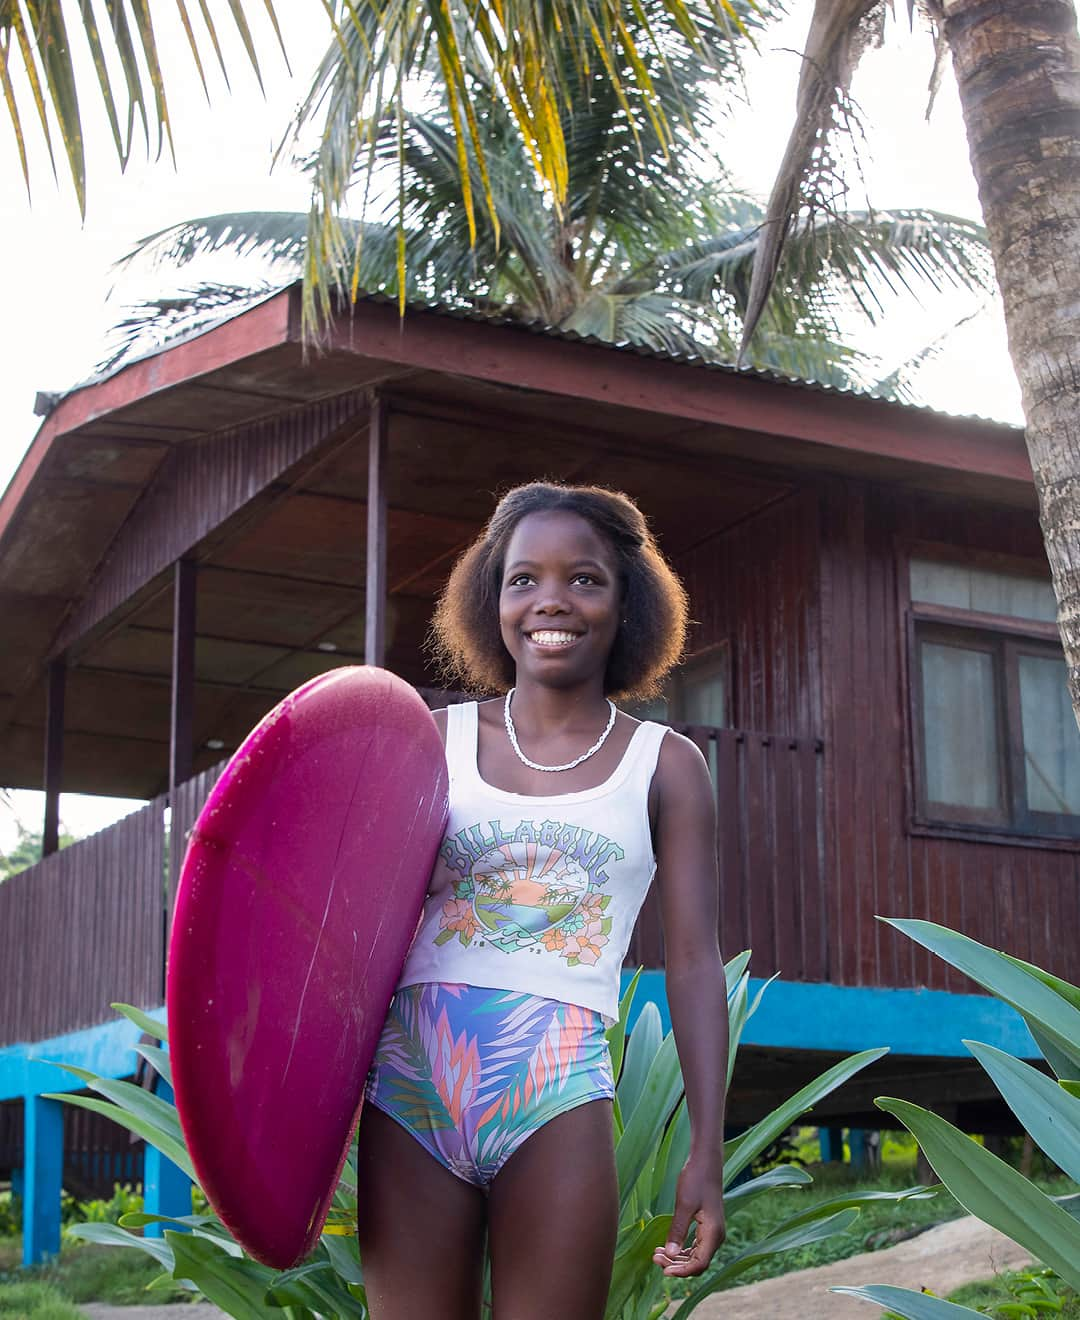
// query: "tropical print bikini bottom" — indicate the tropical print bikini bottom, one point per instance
point(472, 1072)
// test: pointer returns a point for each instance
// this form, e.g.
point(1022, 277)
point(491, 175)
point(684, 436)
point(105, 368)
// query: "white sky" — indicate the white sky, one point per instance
point(57, 273)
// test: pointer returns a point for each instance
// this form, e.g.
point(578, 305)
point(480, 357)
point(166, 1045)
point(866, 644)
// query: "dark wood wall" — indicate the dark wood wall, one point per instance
point(755, 586)
point(807, 596)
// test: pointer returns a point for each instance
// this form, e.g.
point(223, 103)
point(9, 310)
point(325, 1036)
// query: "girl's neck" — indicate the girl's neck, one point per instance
point(555, 710)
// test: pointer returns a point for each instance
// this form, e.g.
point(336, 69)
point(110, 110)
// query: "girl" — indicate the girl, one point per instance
point(489, 1103)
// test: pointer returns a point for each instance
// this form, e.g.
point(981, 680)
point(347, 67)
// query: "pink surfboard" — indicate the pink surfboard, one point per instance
point(299, 896)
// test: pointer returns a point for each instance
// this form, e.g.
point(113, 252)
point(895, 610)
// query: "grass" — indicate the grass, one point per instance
point(1003, 1289)
point(35, 1301)
point(87, 1272)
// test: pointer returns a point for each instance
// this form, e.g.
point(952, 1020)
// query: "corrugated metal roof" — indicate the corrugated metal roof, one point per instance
point(541, 328)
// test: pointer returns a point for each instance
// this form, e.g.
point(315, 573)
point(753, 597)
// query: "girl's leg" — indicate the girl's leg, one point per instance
point(421, 1228)
point(553, 1216)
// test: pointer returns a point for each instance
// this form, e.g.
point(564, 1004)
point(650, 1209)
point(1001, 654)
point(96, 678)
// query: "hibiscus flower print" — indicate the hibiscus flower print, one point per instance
point(458, 915)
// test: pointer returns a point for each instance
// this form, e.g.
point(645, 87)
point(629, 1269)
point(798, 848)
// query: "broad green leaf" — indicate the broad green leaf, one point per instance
point(152, 1026)
point(134, 1123)
point(111, 1235)
point(740, 1152)
point(616, 1035)
point(237, 1286)
point(910, 1305)
point(789, 1240)
point(994, 1192)
point(1073, 1088)
point(854, 1200)
point(641, 1050)
point(674, 1154)
point(1041, 1005)
point(634, 1261)
point(316, 1287)
point(158, 1059)
point(733, 970)
point(344, 1255)
point(1044, 1108)
point(83, 1074)
point(782, 1175)
point(638, 1144)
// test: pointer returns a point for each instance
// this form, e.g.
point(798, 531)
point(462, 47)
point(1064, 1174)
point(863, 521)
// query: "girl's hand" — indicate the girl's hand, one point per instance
point(698, 1197)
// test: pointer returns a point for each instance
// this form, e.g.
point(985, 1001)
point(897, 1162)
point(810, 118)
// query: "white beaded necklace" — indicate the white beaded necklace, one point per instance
point(511, 733)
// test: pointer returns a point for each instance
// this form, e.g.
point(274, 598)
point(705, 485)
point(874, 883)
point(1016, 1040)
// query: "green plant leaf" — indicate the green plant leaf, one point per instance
point(994, 1192)
point(742, 1150)
point(344, 1255)
point(638, 1144)
point(634, 1261)
point(787, 1240)
point(781, 1175)
point(111, 1235)
point(317, 1288)
point(152, 1026)
point(158, 1059)
point(238, 1286)
point(641, 1050)
point(616, 1035)
point(1043, 1106)
point(1041, 1005)
point(150, 1131)
point(910, 1305)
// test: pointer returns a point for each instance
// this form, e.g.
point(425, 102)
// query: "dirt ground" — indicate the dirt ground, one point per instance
point(941, 1259)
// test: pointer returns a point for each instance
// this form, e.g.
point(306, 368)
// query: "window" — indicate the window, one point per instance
point(997, 747)
point(696, 693)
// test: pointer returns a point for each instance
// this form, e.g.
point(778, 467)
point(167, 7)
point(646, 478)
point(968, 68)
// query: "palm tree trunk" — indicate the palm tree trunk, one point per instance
point(1017, 63)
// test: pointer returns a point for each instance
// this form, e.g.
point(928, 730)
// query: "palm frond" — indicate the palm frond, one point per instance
point(158, 322)
point(123, 50)
point(538, 58)
point(840, 31)
point(276, 235)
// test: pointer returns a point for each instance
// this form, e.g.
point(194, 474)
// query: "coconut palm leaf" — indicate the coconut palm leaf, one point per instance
point(36, 43)
point(840, 31)
point(542, 61)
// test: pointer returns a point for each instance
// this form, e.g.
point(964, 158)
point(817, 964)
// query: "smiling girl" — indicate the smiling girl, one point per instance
point(489, 1108)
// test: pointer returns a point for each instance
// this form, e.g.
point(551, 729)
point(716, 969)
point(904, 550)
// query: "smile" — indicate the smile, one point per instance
point(552, 638)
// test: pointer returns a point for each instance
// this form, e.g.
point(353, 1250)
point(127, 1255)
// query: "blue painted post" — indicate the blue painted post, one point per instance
point(43, 1166)
point(17, 1183)
point(166, 1188)
point(832, 1144)
point(858, 1147)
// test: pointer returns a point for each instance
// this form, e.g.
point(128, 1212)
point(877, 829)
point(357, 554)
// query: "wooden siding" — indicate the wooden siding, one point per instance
point(1022, 897)
point(770, 837)
point(82, 928)
point(200, 485)
point(189, 800)
point(755, 586)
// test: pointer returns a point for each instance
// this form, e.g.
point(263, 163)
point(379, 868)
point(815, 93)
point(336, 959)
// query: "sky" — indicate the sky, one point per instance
point(59, 282)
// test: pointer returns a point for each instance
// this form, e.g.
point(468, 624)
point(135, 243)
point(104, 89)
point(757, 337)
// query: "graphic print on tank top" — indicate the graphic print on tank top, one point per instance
point(522, 886)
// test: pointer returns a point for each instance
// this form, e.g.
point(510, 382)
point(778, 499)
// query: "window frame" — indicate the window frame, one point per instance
point(1007, 638)
point(714, 658)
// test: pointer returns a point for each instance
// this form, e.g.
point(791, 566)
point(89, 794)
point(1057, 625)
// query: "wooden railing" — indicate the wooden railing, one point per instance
point(86, 926)
point(770, 849)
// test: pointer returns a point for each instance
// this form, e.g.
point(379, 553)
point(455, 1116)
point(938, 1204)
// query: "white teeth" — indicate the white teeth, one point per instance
point(553, 638)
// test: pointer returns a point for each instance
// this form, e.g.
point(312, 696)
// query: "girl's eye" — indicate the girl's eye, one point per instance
point(519, 580)
point(586, 578)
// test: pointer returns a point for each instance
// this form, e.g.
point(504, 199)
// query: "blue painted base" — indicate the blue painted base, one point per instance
point(832, 1145)
point(43, 1153)
point(166, 1188)
point(17, 1182)
point(804, 1015)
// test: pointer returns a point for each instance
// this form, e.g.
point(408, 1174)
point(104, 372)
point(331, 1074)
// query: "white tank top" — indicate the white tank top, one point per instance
point(538, 894)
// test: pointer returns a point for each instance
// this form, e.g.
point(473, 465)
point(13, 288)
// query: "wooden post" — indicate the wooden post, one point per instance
point(375, 586)
point(54, 755)
point(181, 753)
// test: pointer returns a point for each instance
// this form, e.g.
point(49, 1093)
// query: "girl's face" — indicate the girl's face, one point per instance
point(560, 599)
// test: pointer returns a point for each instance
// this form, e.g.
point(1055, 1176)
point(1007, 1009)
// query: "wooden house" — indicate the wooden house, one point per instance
point(873, 673)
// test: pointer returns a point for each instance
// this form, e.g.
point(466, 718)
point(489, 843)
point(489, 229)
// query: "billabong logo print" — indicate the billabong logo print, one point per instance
point(531, 887)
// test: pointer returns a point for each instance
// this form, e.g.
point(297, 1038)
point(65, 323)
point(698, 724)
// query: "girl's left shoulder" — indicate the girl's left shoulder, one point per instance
point(681, 767)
